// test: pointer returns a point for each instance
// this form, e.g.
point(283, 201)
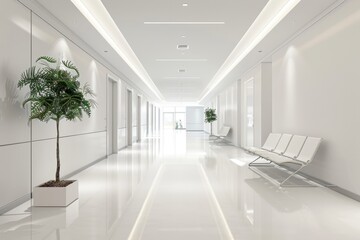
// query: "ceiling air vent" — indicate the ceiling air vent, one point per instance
point(181, 70)
point(182, 47)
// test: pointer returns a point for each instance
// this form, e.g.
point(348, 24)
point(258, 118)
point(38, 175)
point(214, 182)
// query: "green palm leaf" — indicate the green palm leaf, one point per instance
point(56, 94)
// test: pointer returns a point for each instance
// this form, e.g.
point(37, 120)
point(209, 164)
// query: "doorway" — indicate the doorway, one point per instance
point(150, 119)
point(154, 120)
point(129, 117)
point(112, 115)
point(147, 118)
point(138, 118)
point(249, 113)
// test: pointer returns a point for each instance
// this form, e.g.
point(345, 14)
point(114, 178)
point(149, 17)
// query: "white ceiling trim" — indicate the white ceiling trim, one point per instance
point(270, 16)
point(96, 13)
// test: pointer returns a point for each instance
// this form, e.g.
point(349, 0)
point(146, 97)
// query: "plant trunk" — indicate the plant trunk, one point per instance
point(211, 129)
point(57, 177)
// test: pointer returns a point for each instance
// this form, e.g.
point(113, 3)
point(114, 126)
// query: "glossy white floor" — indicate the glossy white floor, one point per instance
point(181, 187)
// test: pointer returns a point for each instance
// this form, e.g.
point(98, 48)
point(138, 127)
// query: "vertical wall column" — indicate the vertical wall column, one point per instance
point(154, 119)
point(262, 106)
point(150, 119)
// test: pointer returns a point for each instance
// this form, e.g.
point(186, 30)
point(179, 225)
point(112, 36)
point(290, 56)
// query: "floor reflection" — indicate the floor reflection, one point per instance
point(178, 185)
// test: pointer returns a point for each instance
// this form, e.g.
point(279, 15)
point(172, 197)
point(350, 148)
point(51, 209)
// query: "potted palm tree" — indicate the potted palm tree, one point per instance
point(56, 94)
point(210, 117)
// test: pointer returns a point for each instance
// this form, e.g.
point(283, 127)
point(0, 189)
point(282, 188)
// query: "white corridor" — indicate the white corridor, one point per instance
point(181, 186)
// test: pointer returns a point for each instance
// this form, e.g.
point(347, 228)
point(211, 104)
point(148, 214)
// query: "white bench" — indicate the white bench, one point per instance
point(299, 150)
point(224, 131)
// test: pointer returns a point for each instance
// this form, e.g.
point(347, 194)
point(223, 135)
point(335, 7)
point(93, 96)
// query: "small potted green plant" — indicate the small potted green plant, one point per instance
point(210, 117)
point(56, 94)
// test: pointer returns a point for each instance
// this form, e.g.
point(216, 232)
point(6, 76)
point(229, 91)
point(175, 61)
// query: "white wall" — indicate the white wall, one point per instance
point(151, 118)
point(261, 75)
point(28, 149)
point(266, 102)
point(122, 125)
point(143, 117)
point(134, 115)
point(225, 103)
point(14, 127)
point(78, 138)
point(195, 118)
point(230, 104)
point(316, 82)
point(122, 142)
point(227, 111)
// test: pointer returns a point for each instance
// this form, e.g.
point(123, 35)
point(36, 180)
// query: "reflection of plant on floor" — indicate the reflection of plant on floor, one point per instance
point(210, 117)
point(55, 94)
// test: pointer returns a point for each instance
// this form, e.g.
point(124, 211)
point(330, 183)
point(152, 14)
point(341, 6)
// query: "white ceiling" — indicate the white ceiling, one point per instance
point(211, 42)
point(209, 45)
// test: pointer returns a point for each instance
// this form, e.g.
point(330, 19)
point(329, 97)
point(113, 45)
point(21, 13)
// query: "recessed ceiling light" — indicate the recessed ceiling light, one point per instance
point(185, 4)
point(183, 36)
point(184, 23)
point(106, 51)
point(260, 51)
point(182, 47)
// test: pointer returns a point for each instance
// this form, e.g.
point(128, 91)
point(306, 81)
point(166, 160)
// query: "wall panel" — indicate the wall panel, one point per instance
point(14, 172)
point(47, 41)
point(14, 59)
point(316, 93)
point(75, 153)
point(121, 138)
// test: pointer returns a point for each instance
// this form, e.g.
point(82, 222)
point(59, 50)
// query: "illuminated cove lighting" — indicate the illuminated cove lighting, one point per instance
point(269, 17)
point(96, 13)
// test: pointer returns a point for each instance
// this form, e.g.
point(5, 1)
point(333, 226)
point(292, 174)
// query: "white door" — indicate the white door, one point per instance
point(138, 111)
point(112, 116)
point(129, 118)
point(249, 113)
point(154, 120)
point(147, 118)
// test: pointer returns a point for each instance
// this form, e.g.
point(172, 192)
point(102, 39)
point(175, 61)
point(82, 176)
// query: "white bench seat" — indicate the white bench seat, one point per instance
point(295, 149)
point(280, 148)
point(224, 131)
point(269, 145)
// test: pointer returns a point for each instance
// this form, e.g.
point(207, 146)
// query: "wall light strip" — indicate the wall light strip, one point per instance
point(96, 13)
point(181, 60)
point(184, 23)
point(270, 16)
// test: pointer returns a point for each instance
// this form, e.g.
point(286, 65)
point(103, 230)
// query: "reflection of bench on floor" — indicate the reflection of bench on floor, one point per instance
point(285, 148)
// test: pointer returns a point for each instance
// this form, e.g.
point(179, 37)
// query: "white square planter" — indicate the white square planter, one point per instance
point(55, 196)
